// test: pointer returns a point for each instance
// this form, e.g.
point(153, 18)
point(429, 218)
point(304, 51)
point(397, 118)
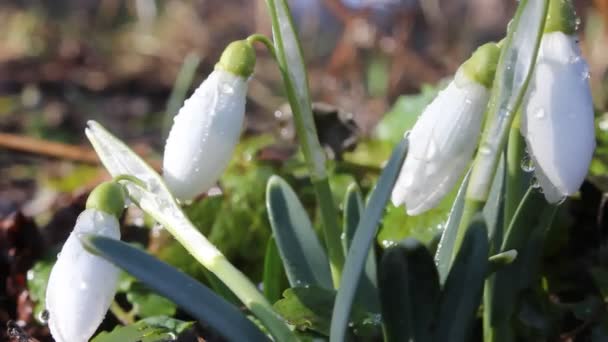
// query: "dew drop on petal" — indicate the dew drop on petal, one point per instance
point(540, 113)
point(44, 316)
point(527, 164)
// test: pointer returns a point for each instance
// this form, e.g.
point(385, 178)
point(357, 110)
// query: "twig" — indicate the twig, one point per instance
point(48, 148)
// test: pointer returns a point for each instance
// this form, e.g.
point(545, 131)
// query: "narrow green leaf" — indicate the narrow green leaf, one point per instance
point(274, 273)
point(364, 236)
point(462, 292)
point(291, 64)
point(303, 256)
point(353, 208)
point(185, 291)
point(409, 292)
point(445, 249)
point(493, 210)
point(525, 235)
point(367, 293)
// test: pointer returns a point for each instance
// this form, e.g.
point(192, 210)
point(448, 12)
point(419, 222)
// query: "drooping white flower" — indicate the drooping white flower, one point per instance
point(208, 126)
point(558, 117)
point(444, 138)
point(81, 285)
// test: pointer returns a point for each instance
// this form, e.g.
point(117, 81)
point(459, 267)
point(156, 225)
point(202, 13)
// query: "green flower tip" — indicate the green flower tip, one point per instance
point(481, 67)
point(561, 17)
point(238, 58)
point(108, 197)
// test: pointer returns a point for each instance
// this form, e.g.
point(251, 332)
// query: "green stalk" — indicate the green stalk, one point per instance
point(493, 142)
point(516, 184)
point(295, 80)
point(206, 254)
point(332, 236)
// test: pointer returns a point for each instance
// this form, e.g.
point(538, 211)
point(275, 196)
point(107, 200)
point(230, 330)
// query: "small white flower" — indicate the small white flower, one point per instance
point(204, 134)
point(442, 143)
point(557, 119)
point(81, 285)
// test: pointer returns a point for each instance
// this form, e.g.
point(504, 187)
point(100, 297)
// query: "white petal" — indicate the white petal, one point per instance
point(557, 119)
point(204, 134)
point(81, 285)
point(442, 143)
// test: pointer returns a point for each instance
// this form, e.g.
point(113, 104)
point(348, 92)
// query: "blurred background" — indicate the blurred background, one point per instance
point(128, 64)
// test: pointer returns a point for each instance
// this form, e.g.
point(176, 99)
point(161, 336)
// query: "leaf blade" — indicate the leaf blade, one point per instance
point(303, 256)
point(180, 288)
point(362, 241)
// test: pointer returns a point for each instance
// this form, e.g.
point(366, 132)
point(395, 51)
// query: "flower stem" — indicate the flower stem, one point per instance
point(497, 126)
point(515, 184)
point(260, 38)
point(330, 229)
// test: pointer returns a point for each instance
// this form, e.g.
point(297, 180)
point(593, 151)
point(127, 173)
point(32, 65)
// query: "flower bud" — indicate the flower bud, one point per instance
point(557, 113)
point(444, 138)
point(208, 126)
point(81, 286)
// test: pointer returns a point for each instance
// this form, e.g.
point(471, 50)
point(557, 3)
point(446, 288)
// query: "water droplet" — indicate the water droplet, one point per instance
point(577, 23)
point(527, 164)
point(431, 150)
point(388, 243)
point(83, 285)
point(468, 101)
point(44, 316)
point(485, 150)
point(540, 113)
point(227, 89)
point(585, 75)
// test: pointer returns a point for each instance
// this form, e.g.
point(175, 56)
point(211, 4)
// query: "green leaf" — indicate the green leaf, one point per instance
point(275, 281)
point(37, 280)
point(304, 259)
point(291, 63)
point(526, 235)
point(443, 256)
point(501, 260)
point(403, 115)
point(153, 329)
point(362, 241)
point(307, 308)
point(409, 292)
point(367, 293)
point(186, 292)
point(310, 308)
point(147, 303)
point(462, 292)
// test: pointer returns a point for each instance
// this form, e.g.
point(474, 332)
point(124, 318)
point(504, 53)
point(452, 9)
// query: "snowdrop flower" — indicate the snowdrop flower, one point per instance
point(208, 126)
point(444, 138)
point(557, 117)
point(81, 285)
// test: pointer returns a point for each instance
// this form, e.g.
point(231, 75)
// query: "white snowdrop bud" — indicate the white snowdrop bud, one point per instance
point(444, 138)
point(81, 286)
point(557, 113)
point(208, 126)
